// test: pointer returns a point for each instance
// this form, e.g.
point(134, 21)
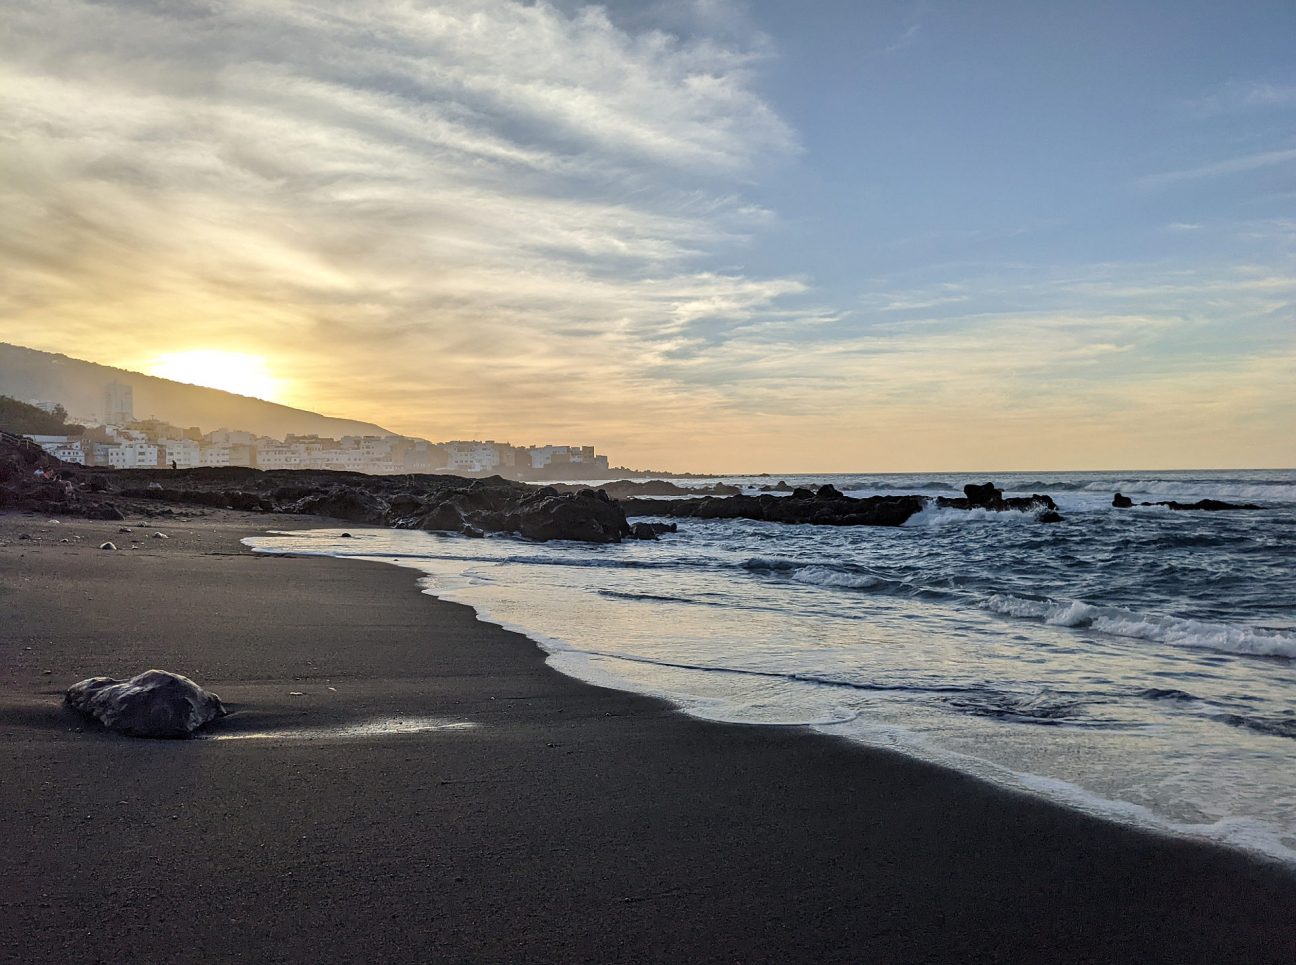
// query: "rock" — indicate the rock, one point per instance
point(345, 536)
point(827, 491)
point(586, 516)
point(161, 536)
point(1122, 502)
point(1050, 516)
point(1208, 505)
point(405, 504)
point(643, 531)
point(124, 529)
point(153, 704)
point(826, 510)
point(344, 502)
point(984, 495)
point(107, 546)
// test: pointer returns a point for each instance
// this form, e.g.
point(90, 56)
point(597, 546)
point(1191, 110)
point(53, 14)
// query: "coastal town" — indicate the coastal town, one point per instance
point(118, 439)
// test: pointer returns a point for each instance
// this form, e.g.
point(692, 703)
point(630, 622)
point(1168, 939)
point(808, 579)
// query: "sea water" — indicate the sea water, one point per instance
point(1137, 663)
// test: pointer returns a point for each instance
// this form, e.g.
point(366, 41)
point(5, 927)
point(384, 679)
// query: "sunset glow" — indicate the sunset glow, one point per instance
point(217, 369)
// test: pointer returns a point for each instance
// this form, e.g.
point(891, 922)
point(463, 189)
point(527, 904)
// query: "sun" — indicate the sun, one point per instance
point(235, 372)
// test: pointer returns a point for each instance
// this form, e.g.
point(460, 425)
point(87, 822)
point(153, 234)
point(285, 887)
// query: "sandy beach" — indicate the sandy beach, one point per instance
point(403, 783)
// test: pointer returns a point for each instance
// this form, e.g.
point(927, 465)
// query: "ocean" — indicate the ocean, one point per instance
point(1139, 664)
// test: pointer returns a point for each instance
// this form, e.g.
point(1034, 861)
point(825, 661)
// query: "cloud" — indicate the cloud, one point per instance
point(1235, 165)
point(509, 220)
point(435, 190)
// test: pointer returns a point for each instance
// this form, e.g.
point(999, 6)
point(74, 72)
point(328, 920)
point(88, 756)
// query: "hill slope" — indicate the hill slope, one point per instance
point(30, 374)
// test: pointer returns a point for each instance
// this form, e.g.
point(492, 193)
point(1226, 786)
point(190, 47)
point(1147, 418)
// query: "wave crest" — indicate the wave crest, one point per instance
point(1120, 622)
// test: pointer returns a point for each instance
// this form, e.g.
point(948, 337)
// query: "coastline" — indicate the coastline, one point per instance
point(568, 823)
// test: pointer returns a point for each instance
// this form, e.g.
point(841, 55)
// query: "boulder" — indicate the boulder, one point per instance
point(984, 495)
point(154, 704)
point(827, 491)
point(1122, 502)
point(1050, 516)
point(643, 531)
point(586, 516)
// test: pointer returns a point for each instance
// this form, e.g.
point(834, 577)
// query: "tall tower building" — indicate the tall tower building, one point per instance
point(119, 404)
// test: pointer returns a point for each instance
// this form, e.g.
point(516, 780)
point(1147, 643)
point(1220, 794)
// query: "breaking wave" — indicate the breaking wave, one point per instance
point(1120, 622)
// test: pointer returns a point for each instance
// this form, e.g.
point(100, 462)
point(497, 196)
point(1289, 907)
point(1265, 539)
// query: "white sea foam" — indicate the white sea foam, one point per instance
point(826, 576)
point(933, 515)
point(1126, 623)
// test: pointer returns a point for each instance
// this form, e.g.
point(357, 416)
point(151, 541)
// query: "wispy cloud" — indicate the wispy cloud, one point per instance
point(507, 219)
point(1234, 165)
point(426, 192)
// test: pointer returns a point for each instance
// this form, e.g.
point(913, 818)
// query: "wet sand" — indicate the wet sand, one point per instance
point(411, 785)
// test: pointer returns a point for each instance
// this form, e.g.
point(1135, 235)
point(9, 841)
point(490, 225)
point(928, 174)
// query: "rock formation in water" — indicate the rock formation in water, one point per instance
point(1208, 505)
point(988, 496)
point(826, 507)
point(153, 704)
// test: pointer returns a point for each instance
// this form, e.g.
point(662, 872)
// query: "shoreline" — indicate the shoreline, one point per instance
point(570, 822)
point(1248, 835)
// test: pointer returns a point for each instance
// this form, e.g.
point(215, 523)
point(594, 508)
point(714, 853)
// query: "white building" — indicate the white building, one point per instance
point(472, 456)
point(280, 456)
point(67, 448)
point(72, 452)
point(126, 455)
point(185, 453)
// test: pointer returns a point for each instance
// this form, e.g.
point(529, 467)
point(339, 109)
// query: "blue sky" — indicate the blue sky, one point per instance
point(698, 233)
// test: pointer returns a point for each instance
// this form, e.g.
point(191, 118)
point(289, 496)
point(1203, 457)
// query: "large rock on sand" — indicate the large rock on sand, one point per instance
point(154, 704)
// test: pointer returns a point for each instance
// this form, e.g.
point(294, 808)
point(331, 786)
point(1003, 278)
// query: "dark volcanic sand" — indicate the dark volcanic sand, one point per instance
point(570, 823)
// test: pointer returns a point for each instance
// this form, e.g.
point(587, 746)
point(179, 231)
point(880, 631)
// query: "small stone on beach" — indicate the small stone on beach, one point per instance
point(107, 546)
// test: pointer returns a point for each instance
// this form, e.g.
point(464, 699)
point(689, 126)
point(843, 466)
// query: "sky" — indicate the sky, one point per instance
point(701, 235)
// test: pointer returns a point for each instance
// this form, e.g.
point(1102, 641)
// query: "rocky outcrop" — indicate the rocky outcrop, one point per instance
point(1203, 505)
point(153, 704)
point(345, 502)
point(1207, 505)
point(827, 507)
point(988, 496)
point(31, 480)
point(497, 505)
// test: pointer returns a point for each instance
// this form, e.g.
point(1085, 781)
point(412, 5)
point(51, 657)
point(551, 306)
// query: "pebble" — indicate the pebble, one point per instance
point(107, 546)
